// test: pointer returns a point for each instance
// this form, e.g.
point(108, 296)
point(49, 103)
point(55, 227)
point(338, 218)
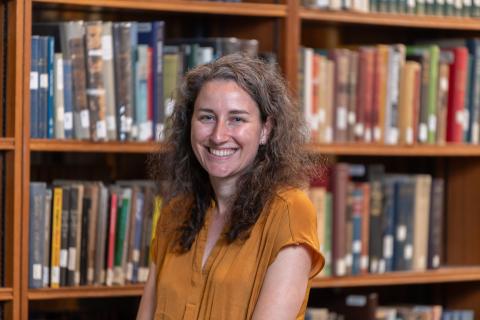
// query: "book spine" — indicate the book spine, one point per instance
point(435, 236)
point(357, 212)
point(434, 54)
point(111, 237)
point(101, 236)
point(47, 242)
point(404, 207)
point(83, 254)
point(339, 219)
point(72, 234)
point(59, 105)
point(34, 87)
point(51, 87)
point(95, 82)
point(93, 214)
point(43, 87)
point(375, 177)
point(456, 95)
point(386, 264)
point(37, 234)
point(56, 237)
point(64, 242)
point(109, 80)
point(68, 99)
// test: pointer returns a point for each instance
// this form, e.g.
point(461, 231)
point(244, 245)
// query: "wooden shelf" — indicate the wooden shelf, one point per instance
point(7, 144)
point(360, 149)
point(385, 19)
point(86, 292)
point(90, 146)
point(6, 294)
point(223, 8)
point(460, 274)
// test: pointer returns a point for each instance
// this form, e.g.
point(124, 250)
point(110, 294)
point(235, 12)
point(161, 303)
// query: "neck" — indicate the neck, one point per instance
point(224, 190)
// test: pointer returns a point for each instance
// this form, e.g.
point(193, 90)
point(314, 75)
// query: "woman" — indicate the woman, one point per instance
point(238, 238)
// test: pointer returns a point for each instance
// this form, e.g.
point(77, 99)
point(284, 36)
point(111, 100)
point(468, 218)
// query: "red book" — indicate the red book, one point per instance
point(456, 95)
point(340, 189)
point(111, 236)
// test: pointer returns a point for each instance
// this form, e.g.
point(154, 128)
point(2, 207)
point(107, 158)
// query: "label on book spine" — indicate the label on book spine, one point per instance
point(408, 252)
point(72, 257)
point(34, 80)
point(68, 121)
point(342, 118)
point(107, 47)
point(37, 271)
point(432, 122)
point(85, 119)
point(101, 129)
point(422, 132)
point(44, 80)
point(388, 246)
point(63, 258)
point(401, 233)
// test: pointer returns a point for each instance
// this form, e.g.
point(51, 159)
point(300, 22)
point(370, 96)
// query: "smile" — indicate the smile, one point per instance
point(222, 152)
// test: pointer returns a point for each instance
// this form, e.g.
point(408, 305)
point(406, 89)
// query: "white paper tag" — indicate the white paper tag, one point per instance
point(401, 233)
point(37, 271)
point(44, 80)
point(340, 269)
point(101, 129)
point(408, 252)
point(85, 118)
point(393, 136)
point(475, 133)
point(33, 80)
point(72, 258)
point(136, 255)
point(357, 246)
point(159, 132)
point(63, 258)
point(145, 131)
point(432, 122)
point(46, 275)
point(351, 118)
point(388, 246)
point(107, 47)
point(364, 262)
point(411, 3)
point(436, 261)
point(110, 123)
point(129, 274)
point(422, 132)
point(128, 124)
point(68, 121)
point(359, 130)
point(368, 135)
point(348, 260)
point(55, 276)
point(342, 118)
point(444, 81)
point(382, 266)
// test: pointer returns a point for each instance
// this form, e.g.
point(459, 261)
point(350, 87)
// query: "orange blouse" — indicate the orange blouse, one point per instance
point(229, 285)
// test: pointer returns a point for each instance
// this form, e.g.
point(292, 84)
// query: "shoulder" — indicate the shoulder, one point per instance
point(295, 205)
point(174, 212)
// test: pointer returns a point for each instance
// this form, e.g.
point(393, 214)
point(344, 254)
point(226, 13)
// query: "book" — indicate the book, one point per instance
point(57, 213)
point(37, 234)
point(109, 80)
point(34, 87)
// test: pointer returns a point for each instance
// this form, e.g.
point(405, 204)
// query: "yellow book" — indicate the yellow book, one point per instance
point(56, 237)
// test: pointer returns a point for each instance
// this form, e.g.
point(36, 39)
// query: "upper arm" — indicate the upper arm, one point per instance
point(285, 284)
point(149, 297)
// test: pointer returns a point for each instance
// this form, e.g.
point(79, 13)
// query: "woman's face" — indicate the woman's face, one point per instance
point(226, 129)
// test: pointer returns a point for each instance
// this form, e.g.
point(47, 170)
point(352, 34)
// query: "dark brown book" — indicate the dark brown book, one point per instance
point(375, 178)
point(72, 35)
point(363, 127)
point(443, 75)
point(123, 78)
point(92, 192)
point(340, 101)
point(95, 81)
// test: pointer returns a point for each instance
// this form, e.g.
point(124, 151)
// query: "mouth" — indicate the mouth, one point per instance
point(222, 153)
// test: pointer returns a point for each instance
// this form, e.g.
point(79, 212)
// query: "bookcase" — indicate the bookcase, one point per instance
point(281, 27)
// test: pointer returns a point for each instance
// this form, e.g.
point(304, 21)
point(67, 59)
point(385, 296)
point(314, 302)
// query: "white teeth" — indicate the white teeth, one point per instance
point(222, 152)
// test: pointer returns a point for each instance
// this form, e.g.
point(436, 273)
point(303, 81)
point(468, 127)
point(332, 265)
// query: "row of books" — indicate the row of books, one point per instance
point(86, 233)
point(111, 80)
point(366, 307)
point(373, 222)
point(448, 8)
point(393, 94)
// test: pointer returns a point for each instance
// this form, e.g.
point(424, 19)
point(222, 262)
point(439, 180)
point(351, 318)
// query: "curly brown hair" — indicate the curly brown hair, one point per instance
point(281, 163)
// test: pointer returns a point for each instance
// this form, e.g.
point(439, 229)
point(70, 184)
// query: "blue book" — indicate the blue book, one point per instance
point(388, 224)
point(36, 234)
point(68, 98)
point(34, 84)
point(43, 86)
point(404, 209)
point(51, 88)
point(473, 132)
point(152, 34)
point(357, 211)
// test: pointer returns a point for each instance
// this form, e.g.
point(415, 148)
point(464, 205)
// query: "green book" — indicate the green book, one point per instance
point(121, 238)
point(327, 240)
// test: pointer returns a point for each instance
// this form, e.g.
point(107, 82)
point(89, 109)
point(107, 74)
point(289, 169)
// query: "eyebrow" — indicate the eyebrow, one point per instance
point(230, 112)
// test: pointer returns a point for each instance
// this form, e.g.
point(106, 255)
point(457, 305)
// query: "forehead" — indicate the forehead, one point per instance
point(224, 94)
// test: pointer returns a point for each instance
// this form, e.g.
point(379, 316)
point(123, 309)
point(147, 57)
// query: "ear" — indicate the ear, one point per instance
point(266, 129)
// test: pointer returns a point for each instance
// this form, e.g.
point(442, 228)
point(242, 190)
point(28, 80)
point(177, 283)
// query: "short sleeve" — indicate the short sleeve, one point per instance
point(296, 224)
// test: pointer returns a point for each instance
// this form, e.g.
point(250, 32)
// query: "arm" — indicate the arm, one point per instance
point(147, 304)
point(285, 284)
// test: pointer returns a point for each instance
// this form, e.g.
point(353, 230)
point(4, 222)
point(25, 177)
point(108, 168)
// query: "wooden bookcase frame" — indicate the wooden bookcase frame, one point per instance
point(291, 17)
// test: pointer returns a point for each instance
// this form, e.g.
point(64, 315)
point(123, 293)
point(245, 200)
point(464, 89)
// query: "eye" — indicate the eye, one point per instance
point(238, 119)
point(206, 118)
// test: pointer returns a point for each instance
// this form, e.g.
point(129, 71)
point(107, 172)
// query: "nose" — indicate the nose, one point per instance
point(220, 133)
